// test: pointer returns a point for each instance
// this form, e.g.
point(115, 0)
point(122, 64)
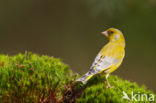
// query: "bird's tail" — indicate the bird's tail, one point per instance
point(85, 78)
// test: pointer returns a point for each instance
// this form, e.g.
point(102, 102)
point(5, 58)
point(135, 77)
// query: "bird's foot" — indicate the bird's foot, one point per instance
point(110, 86)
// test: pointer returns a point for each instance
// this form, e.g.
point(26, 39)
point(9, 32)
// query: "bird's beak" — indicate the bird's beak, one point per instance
point(104, 33)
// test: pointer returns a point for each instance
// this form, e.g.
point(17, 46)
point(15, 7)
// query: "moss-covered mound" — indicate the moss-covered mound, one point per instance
point(96, 91)
point(29, 78)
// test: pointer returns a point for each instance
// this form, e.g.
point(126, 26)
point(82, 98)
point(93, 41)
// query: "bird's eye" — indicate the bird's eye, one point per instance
point(110, 32)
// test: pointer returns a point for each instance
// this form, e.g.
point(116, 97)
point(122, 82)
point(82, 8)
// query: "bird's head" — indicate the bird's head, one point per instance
point(114, 35)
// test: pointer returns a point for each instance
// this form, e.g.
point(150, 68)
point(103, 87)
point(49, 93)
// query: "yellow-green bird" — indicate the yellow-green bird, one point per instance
point(109, 58)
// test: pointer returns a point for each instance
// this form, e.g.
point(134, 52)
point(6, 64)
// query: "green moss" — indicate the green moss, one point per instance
point(31, 78)
point(97, 92)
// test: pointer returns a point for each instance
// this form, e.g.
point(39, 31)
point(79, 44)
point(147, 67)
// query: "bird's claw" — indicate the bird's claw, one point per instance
point(110, 86)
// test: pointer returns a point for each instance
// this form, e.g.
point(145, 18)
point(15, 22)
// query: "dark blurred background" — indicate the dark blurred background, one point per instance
point(70, 30)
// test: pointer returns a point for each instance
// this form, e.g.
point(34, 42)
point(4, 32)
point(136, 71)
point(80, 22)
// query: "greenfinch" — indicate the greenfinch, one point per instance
point(109, 58)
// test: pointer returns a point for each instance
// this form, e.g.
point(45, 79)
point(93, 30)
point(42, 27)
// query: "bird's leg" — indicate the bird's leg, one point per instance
point(108, 85)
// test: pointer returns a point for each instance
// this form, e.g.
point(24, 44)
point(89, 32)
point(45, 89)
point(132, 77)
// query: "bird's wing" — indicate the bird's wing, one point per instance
point(102, 63)
point(96, 61)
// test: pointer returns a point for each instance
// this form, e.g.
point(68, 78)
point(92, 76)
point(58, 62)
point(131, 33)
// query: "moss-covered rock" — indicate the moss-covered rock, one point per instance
point(96, 91)
point(29, 78)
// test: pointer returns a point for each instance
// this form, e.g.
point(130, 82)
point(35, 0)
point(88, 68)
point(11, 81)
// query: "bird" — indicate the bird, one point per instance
point(109, 58)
